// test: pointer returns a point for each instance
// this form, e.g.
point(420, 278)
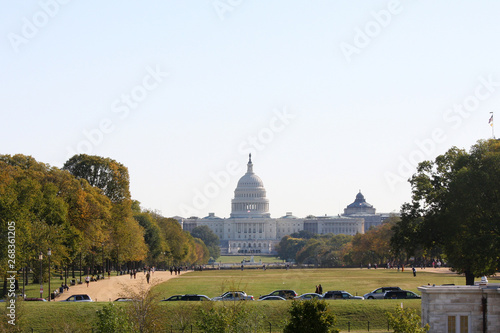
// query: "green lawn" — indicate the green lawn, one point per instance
point(79, 317)
point(258, 282)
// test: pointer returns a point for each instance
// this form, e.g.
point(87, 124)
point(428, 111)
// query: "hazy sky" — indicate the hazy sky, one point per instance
point(330, 97)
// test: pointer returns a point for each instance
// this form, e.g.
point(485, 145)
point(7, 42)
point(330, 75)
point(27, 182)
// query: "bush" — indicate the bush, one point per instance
point(310, 317)
point(213, 320)
point(111, 320)
point(406, 321)
point(232, 316)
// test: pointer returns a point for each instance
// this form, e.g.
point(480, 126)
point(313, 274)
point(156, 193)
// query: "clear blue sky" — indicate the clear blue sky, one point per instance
point(331, 97)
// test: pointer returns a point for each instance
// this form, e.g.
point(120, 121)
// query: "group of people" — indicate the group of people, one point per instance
point(176, 270)
point(319, 289)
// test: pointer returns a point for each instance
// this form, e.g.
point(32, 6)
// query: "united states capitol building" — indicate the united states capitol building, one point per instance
point(250, 228)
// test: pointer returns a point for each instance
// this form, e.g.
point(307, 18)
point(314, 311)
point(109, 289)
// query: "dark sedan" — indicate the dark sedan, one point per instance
point(401, 294)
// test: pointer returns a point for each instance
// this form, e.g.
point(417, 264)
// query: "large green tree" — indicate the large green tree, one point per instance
point(210, 239)
point(456, 207)
point(107, 174)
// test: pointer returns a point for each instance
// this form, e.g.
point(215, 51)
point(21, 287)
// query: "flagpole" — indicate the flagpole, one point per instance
point(492, 126)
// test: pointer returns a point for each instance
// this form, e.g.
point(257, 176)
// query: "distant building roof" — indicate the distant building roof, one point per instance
point(360, 202)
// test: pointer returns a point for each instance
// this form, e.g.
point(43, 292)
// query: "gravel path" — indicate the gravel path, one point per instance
point(110, 289)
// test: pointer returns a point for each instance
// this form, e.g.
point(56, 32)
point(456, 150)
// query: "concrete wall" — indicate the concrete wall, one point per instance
point(441, 302)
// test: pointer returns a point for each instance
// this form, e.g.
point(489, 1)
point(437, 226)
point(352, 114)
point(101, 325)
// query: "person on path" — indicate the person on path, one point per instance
point(87, 280)
point(320, 290)
point(135, 272)
point(316, 291)
point(414, 271)
point(131, 273)
point(147, 277)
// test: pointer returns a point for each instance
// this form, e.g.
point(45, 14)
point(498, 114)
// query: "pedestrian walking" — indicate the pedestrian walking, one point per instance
point(87, 280)
point(147, 277)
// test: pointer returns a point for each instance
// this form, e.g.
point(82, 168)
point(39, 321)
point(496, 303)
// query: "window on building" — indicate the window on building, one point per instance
point(451, 324)
point(458, 324)
point(464, 324)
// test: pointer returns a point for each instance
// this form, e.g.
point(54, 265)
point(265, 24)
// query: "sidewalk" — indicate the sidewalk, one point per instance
point(110, 289)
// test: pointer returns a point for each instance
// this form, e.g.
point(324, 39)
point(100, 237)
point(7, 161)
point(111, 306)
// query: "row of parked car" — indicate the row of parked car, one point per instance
point(282, 295)
point(277, 295)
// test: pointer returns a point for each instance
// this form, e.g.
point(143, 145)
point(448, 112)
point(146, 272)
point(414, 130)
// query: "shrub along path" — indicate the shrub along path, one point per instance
point(111, 288)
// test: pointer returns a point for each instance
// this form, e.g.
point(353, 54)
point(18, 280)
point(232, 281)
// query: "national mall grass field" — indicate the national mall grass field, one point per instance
point(257, 282)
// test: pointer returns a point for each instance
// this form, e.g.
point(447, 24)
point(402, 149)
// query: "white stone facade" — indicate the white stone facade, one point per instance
point(457, 309)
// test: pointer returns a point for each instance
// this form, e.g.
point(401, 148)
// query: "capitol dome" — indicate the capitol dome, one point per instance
point(250, 196)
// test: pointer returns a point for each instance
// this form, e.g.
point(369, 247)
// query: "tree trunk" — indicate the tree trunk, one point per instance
point(4, 289)
point(469, 278)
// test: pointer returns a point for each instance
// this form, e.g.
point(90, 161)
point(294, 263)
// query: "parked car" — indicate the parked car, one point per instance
point(308, 296)
point(78, 298)
point(35, 299)
point(287, 294)
point(187, 297)
point(401, 294)
point(272, 298)
point(379, 292)
point(233, 296)
point(123, 299)
point(340, 294)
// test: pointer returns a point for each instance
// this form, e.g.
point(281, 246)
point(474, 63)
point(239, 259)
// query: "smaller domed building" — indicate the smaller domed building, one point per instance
point(362, 209)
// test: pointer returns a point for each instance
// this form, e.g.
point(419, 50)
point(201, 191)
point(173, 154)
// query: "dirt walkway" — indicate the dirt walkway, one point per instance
point(110, 289)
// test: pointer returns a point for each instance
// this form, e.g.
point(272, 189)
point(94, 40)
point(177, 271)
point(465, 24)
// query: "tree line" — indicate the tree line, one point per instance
point(85, 214)
point(330, 250)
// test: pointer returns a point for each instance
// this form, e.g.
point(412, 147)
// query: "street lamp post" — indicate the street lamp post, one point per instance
point(49, 253)
point(103, 268)
point(80, 267)
point(118, 267)
point(40, 257)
